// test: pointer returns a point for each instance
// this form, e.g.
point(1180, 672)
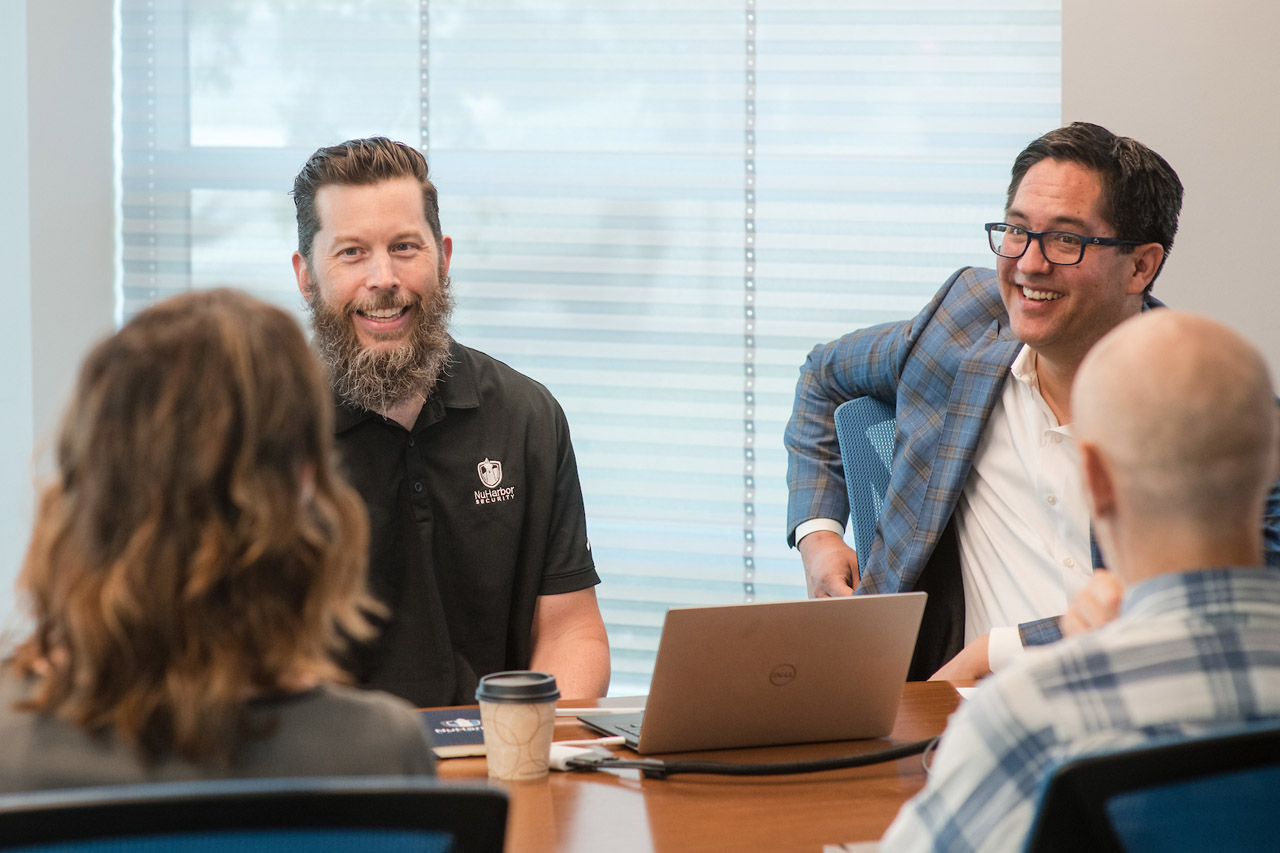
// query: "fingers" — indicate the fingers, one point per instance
point(1095, 605)
point(833, 586)
point(1109, 587)
point(830, 566)
point(828, 581)
point(1071, 623)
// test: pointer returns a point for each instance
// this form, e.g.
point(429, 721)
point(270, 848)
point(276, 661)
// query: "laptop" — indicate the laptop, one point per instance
point(777, 673)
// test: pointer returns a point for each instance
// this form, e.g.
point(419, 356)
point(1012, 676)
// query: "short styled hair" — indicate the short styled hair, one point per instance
point(359, 162)
point(1141, 193)
point(197, 544)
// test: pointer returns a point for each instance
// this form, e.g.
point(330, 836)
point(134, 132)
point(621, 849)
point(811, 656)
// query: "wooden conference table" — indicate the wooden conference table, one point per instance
point(620, 810)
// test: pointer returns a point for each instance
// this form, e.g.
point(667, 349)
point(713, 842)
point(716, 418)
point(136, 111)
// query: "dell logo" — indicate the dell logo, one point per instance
point(783, 674)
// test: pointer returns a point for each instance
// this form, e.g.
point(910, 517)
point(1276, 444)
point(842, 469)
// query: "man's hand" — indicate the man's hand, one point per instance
point(970, 664)
point(830, 566)
point(1095, 605)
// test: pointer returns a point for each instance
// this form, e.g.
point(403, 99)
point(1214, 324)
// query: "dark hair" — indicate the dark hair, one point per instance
point(359, 162)
point(198, 541)
point(1141, 193)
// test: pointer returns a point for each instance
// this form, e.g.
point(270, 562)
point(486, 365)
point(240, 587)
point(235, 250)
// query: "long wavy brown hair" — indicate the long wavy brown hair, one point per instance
point(197, 547)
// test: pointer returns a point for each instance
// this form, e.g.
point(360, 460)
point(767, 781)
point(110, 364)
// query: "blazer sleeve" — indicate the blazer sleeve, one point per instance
point(867, 362)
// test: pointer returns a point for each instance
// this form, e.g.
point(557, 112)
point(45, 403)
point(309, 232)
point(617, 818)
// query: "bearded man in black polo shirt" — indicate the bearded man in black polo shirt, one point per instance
point(478, 535)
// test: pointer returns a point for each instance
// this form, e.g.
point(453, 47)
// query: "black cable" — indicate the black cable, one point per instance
point(656, 769)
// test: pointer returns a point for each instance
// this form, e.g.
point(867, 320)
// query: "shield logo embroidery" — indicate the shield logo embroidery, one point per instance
point(490, 472)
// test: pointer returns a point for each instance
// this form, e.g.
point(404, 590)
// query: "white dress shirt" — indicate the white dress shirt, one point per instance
point(1022, 520)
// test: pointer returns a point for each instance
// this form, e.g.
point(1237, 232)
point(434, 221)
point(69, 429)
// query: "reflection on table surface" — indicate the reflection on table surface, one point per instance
point(619, 810)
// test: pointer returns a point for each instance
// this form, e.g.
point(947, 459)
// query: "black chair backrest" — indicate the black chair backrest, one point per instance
point(1218, 792)
point(352, 813)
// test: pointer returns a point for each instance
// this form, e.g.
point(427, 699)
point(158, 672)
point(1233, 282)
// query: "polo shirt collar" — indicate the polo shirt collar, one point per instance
point(455, 390)
point(457, 387)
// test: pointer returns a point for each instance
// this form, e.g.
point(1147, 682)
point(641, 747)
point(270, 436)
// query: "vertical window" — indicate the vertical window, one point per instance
point(657, 209)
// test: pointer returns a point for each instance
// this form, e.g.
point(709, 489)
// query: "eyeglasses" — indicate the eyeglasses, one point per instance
point(1058, 247)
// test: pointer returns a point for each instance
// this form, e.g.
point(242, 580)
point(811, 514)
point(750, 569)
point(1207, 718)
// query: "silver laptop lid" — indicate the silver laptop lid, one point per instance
point(776, 673)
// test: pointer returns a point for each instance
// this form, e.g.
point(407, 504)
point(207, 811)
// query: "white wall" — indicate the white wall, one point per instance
point(70, 106)
point(15, 321)
point(56, 167)
point(1197, 82)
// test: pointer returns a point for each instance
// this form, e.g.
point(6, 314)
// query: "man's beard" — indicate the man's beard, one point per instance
point(379, 379)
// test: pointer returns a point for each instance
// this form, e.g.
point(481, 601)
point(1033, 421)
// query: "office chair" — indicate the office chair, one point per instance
point(865, 428)
point(323, 814)
point(1217, 793)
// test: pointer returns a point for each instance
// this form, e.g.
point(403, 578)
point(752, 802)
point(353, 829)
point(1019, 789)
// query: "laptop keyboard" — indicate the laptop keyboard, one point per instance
point(632, 729)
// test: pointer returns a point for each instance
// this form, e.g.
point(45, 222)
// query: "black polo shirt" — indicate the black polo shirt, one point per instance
point(473, 514)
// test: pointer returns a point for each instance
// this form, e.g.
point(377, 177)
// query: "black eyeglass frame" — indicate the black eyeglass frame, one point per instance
point(1038, 236)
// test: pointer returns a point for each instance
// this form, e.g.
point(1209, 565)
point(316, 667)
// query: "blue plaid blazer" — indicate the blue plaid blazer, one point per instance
point(943, 371)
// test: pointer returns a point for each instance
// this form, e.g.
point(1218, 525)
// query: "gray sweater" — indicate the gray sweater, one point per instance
point(326, 731)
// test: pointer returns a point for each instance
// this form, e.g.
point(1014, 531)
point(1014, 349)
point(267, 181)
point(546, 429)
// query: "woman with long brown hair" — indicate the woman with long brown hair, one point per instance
point(196, 569)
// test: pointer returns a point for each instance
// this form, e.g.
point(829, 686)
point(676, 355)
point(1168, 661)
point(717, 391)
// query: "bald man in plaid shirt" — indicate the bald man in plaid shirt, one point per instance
point(1179, 436)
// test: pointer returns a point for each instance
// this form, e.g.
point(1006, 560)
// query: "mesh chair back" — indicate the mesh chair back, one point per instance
point(865, 428)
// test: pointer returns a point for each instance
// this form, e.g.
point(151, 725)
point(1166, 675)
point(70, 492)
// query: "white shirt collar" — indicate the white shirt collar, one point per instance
point(1024, 370)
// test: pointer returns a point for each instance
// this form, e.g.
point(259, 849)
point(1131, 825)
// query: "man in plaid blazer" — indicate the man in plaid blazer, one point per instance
point(1090, 220)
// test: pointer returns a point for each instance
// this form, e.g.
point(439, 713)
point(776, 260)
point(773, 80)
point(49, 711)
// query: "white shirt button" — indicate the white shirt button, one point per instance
point(1052, 499)
point(1069, 563)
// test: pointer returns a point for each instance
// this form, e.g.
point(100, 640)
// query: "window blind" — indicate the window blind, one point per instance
point(657, 209)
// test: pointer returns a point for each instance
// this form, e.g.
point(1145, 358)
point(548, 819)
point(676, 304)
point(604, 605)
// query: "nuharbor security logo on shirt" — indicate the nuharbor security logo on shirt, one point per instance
point(490, 471)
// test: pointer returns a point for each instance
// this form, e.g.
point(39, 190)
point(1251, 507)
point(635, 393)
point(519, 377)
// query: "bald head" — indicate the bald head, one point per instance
point(1181, 413)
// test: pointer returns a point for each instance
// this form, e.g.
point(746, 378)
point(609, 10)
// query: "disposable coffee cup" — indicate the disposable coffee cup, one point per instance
point(518, 713)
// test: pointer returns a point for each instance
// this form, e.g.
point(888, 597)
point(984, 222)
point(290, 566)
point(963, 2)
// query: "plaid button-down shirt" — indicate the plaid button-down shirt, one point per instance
point(1191, 652)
